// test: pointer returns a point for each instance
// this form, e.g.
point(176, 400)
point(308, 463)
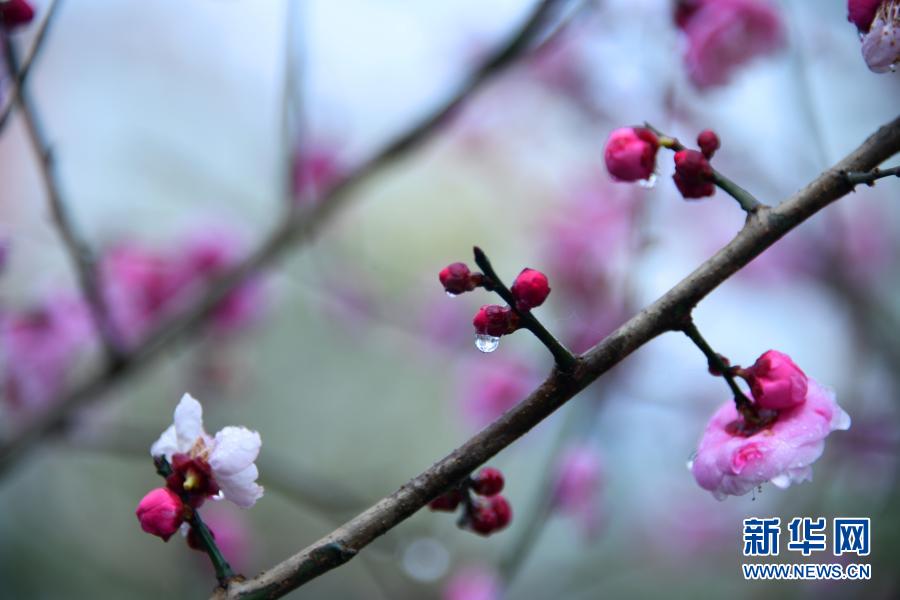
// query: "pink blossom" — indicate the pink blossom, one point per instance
point(489, 391)
point(579, 478)
point(776, 382)
point(145, 286)
point(630, 153)
point(723, 35)
point(728, 463)
point(473, 583)
point(41, 345)
point(881, 44)
point(161, 513)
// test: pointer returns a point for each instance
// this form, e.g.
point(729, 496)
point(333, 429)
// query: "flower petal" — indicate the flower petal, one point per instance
point(188, 422)
point(166, 445)
point(241, 488)
point(234, 449)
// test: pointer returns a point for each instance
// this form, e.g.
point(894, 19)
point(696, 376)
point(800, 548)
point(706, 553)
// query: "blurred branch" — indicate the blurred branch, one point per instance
point(21, 74)
point(79, 252)
point(297, 229)
point(762, 229)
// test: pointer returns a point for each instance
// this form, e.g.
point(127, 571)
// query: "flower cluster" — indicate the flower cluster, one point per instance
point(878, 22)
point(487, 511)
point(630, 155)
point(202, 467)
point(735, 457)
point(723, 35)
point(144, 286)
point(492, 321)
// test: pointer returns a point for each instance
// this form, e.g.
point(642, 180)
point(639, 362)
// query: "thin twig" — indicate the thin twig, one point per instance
point(206, 539)
point(79, 253)
point(564, 358)
point(745, 199)
point(717, 365)
point(870, 177)
point(21, 75)
point(294, 231)
point(763, 229)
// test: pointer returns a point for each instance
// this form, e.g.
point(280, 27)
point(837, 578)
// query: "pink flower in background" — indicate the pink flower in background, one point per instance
point(729, 463)
point(209, 253)
point(146, 286)
point(473, 583)
point(587, 244)
point(489, 391)
point(40, 347)
point(141, 287)
point(881, 44)
point(315, 170)
point(231, 532)
point(576, 490)
point(723, 35)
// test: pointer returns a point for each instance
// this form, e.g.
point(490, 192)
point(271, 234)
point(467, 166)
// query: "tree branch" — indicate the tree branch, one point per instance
point(762, 229)
point(870, 177)
point(77, 249)
point(297, 229)
point(24, 69)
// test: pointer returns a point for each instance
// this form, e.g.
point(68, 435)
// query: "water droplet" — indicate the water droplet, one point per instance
point(452, 295)
point(648, 183)
point(690, 462)
point(893, 67)
point(486, 343)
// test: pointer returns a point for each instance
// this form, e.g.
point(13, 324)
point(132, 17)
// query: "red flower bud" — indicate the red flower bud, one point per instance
point(488, 482)
point(161, 513)
point(502, 511)
point(693, 174)
point(776, 382)
point(483, 519)
point(708, 142)
point(862, 12)
point(447, 502)
point(456, 278)
point(15, 13)
point(495, 320)
point(530, 289)
point(631, 153)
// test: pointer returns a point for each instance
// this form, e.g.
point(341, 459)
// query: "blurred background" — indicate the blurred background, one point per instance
point(184, 131)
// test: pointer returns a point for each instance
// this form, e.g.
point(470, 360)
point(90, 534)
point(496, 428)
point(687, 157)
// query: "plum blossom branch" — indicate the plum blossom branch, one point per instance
point(762, 229)
point(79, 252)
point(870, 177)
point(564, 358)
point(719, 366)
point(297, 229)
point(221, 566)
point(19, 77)
point(745, 199)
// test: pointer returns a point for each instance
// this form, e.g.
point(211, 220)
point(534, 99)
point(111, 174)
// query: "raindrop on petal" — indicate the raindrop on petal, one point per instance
point(452, 295)
point(648, 183)
point(486, 343)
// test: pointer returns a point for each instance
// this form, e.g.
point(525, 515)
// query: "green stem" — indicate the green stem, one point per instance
point(564, 358)
point(221, 566)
